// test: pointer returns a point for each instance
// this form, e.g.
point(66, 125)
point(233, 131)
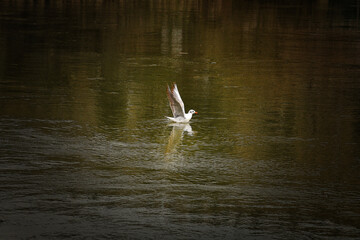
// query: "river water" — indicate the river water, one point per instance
point(86, 150)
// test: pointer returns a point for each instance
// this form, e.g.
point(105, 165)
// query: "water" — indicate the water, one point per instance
point(86, 152)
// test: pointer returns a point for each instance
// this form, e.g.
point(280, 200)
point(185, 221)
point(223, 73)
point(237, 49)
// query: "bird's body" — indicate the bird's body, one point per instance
point(179, 119)
point(177, 106)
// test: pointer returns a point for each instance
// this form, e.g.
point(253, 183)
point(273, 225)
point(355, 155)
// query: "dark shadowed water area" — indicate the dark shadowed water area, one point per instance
point(87, 153)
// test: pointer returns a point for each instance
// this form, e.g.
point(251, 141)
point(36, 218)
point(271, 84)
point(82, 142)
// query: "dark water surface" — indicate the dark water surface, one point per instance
point(86, 152)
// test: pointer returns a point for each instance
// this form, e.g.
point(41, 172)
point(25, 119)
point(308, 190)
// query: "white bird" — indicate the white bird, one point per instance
point(177, 106)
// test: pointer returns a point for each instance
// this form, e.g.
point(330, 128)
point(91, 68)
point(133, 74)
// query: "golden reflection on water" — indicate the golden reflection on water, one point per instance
point(276, 86)
point(279, 70)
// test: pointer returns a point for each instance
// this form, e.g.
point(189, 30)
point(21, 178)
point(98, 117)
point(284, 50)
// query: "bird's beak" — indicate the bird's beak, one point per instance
point(195, 112)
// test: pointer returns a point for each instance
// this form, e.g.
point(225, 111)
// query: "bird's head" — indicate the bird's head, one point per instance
point(192, 111)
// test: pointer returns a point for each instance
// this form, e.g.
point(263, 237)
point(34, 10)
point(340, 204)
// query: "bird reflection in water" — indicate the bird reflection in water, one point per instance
point(176, 136)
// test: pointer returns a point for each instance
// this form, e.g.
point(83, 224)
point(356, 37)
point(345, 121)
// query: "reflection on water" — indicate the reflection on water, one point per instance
point(86, 152)
point(176, 135)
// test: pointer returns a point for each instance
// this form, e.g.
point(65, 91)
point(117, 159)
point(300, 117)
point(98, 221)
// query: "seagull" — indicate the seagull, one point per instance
point(177, 106)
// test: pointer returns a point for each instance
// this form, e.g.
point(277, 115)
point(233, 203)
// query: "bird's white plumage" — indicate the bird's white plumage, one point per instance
point(177, 106)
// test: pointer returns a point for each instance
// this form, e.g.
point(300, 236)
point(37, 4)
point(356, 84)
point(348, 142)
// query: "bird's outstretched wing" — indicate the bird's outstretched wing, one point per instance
point(175, 101)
